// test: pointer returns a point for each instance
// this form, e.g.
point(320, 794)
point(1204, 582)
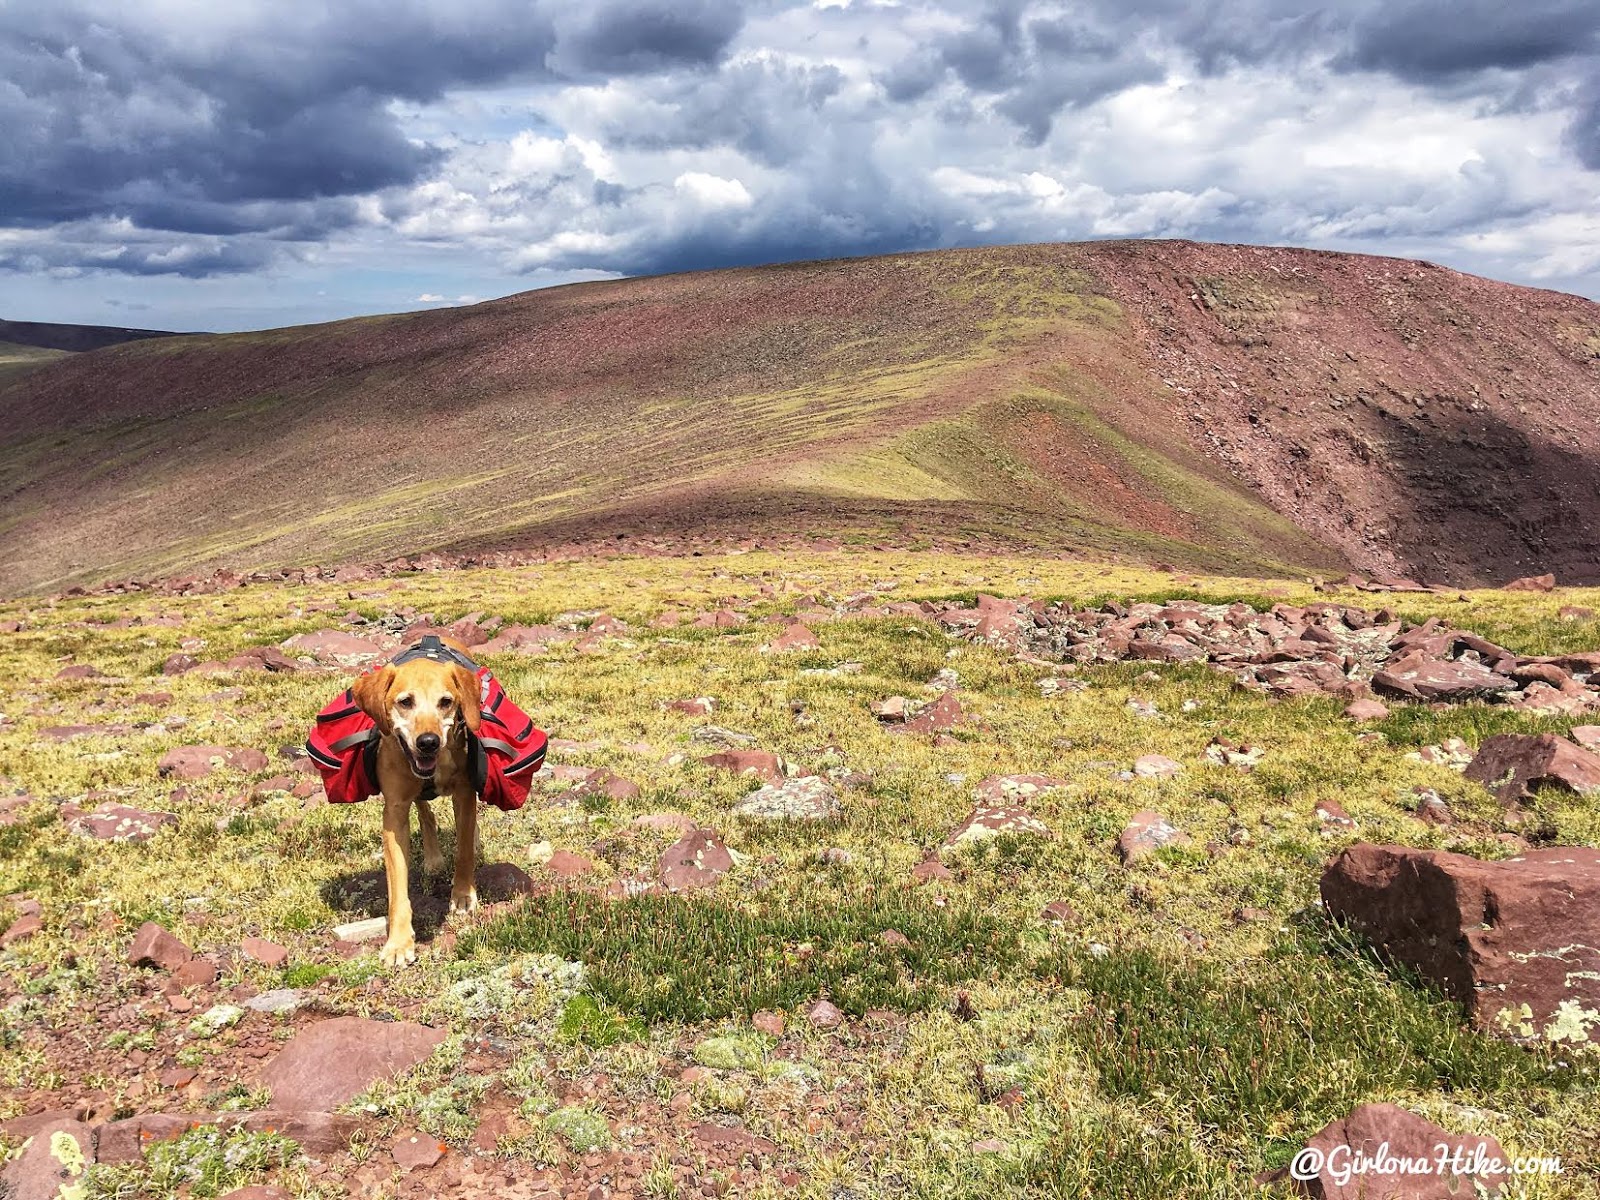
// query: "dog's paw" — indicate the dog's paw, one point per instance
point(463, 900)
point(399, 954)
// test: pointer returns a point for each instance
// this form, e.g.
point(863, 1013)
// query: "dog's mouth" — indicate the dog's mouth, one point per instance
point(421, 765)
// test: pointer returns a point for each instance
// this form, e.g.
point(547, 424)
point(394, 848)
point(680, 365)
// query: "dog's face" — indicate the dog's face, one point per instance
point(422, 704)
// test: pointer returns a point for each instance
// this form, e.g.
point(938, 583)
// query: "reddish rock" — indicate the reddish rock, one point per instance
point(501, 881)
point(124, 1141)
point(177, 1077)
point(987, 821)
point(79, 671)
point(609, 785)
point(1011, 789)
point(259, 1191)
point(1146, 833)
point(1156, 766)
point(1331, 812)
point(316, 1133)
point(268, 954)
point(416, 1151)
point(700, 706)
point(796, 637)
point(768, 1022)
point(327, 1064)
point(1512, 764)
point(197, 972)
point(179, 664)
point(894, 939)
point(52, 1164)
point(1366, 710)
point(1419, 676)
point(334, 646)
point(762, 764)
point(20, 930)
point(698, 859)
point(824, 1015)
point(1574, 612)
point(568, 865)
point(666, 822)
point(1587, 736)
point(117, 823)
point(943, 715)
point(196, 762)
point(930, 869)
point(1386, 1135)
point(1495, 936)
point(153, 946)
point(1532, 583)
point(1059, 912)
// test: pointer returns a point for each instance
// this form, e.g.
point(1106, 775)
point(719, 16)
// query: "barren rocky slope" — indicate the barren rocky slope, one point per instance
point(1239, 408)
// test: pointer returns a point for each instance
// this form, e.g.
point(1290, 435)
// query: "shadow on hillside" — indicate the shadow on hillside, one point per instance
point(1483, 501)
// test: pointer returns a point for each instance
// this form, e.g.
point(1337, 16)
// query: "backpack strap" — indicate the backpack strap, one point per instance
point(430, 647)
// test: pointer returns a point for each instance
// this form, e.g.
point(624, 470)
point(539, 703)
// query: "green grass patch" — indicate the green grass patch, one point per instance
point(692, 958)
point(1273, 1050)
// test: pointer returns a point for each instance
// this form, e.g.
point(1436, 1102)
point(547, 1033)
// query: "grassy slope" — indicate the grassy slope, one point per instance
point(1151, 1069)
point(881, 395)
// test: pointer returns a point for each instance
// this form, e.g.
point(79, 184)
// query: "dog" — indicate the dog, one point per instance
point(426, 710)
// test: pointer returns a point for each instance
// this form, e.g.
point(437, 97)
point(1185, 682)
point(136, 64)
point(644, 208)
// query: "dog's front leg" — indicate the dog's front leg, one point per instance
point(401, 948)
point(464, 887)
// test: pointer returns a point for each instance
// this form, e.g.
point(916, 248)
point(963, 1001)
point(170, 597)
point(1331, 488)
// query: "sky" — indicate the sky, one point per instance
point(185, 164)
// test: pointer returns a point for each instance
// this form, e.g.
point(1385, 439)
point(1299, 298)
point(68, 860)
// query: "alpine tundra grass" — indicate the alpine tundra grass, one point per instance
point(1194, 1024)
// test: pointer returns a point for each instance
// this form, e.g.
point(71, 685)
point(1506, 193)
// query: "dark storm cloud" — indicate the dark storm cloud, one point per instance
point(1425, 40)
point(108, 112)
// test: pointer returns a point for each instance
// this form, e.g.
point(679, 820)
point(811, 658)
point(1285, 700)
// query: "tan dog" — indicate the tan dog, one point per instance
point(424, 710)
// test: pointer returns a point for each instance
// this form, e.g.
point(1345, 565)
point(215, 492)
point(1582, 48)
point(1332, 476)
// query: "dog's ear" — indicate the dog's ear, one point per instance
point(464, 687)
point(371, 693)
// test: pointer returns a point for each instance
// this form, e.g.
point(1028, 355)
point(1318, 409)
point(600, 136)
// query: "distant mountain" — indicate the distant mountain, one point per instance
point(1233, 408)
point(44, 335)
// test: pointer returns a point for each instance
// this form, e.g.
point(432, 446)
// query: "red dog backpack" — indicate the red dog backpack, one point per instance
point(505, 754)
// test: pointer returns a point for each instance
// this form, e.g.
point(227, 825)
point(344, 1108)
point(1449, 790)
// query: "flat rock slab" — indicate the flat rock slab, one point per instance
point(330, 1063)
point(334, 646)
point(1419, 676)
point(196, 762)
point(1009, 789)
point(1515, 942)
point(698, 859)
point(112, 822)
point(763, 764)
point(1146, 833)
point(1389, 1133)
point(371, 929)
point(1511, 765)
point(810, 798)
point(988, 821)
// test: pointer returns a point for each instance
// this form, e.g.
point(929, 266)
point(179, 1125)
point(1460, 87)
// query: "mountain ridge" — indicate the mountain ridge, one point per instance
point(1251, 409)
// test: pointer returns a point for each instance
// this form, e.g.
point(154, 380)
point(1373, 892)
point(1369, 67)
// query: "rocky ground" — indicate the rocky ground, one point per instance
point(851, 874)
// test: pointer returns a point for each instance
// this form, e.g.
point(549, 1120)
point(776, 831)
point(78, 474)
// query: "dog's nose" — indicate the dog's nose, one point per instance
point(428, 743)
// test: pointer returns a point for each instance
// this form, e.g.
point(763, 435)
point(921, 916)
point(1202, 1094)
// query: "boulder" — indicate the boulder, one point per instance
point(196, 762)
point(698, 859)
point(1156, 766)
point(1009, 789)
point(1532, 583)
point(943, 715)
point(416, 1151)
point(1515, 942)
point(501, 881)
point(52, 1163)
point(1420, 676)
point(809, 798)
point(1384, 1152)
point(153, 946)
point(329, 1063)
point(1512, 764)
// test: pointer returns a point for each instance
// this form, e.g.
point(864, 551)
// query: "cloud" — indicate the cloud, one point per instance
point(456, 143)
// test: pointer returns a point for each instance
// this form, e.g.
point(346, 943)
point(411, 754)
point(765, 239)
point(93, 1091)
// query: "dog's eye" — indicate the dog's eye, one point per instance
point(404, 702)
point(444, 702)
